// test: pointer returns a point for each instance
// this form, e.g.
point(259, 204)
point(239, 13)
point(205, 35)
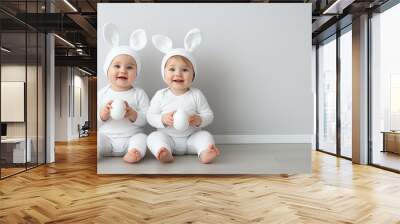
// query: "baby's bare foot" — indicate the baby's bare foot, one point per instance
point(209, 154)
point(164, 155)
point(132, 156)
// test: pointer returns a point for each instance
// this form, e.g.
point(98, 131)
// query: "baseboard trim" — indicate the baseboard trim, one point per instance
point(248, 139)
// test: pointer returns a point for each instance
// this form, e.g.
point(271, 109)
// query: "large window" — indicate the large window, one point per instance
point(346, 93)
point(22, 79)
point(334, 106)
point(385, 88)
point(327, 96)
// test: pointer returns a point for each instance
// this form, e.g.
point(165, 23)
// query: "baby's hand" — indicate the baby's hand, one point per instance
point(195, 120)
point(168, 119)
point(130, 113)
point(105, 112)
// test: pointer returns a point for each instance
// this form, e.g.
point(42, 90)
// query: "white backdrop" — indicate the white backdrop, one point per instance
point(254, 64)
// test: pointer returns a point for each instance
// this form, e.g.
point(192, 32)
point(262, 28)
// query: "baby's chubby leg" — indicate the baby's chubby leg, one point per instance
point(160, 145)
point(104, 147)
point(202, 143)
point(136, 149)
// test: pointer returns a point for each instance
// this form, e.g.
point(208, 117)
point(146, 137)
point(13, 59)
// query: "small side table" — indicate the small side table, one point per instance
point(391, 141)
point(15, 147)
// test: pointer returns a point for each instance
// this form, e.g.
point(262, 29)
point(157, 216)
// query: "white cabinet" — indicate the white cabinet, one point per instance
point(18, 149)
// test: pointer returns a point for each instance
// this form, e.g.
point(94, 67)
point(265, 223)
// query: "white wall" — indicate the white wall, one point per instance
point(254, 71)
point(33, 126)
point(67, 80)
point(61, 103)
point(80, 84)
point(17, 73)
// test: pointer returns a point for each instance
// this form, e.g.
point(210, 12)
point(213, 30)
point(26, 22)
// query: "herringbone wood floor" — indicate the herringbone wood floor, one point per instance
point(70, 191)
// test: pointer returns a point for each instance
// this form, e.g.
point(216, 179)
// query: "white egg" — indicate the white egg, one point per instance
point(181, 120)
point(118, 109)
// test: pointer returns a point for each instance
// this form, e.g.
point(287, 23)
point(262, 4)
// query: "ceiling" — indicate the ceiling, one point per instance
point(76, 20)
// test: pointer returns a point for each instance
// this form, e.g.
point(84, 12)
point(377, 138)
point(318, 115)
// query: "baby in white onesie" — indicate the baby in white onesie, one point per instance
point(122, 136)
point(178, 70)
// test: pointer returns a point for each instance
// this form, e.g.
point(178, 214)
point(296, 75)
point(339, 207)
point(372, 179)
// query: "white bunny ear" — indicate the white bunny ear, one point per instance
point(111, 34)
point(162, 43)
point(192, 39)
point(138, 40)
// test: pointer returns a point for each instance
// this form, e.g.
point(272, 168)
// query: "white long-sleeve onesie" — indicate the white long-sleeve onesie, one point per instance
point(192, 140)
point(117, 136)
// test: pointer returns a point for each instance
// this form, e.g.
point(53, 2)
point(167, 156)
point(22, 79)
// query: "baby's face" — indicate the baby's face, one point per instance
point(178, 74)
point(122, 72)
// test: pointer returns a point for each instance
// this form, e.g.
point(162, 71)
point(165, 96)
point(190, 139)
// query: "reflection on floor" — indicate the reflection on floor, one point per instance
point(10, 171)
point(386, 159)
point(346, 152)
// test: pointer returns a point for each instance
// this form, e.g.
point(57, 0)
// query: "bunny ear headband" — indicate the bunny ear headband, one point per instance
point(137, 41)
point(191, 42)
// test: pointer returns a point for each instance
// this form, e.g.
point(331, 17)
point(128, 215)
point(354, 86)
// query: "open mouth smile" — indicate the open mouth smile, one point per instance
point(177, 80)
point(122, 77)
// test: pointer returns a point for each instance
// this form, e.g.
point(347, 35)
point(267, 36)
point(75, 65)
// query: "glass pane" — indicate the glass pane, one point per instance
point(385, 89)
point(31, 100)
point(327, 97)
point(14, 6)
point(13, 85)
point(394, 101)
point(41, 98)
point(346, 93)
point(32, 6)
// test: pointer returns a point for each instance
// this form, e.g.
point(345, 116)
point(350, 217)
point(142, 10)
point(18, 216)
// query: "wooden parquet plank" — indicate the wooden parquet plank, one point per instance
point(70, 191)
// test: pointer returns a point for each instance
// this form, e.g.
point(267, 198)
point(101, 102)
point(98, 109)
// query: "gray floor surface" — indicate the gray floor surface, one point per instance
point(234, 159)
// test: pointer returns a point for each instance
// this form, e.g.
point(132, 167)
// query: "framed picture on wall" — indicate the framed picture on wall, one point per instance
point(12, 101)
